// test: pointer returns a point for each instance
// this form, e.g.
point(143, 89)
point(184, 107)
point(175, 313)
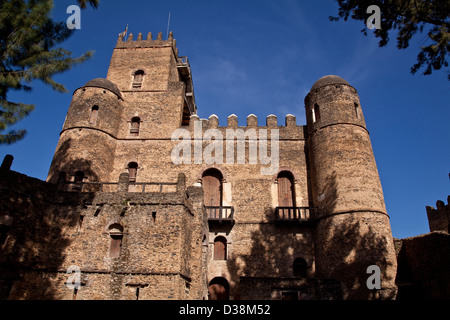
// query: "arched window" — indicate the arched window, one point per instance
point(78, 181)
point(299, 268)
point(135, 124)
point(138, 77)
point(212, 187)
point(316, 113)
point(116, 235)
point(286, 190)
point(94, 115)
point(220, 248)
point(132, 171)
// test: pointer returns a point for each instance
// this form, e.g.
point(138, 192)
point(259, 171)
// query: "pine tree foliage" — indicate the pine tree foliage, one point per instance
point(408, 17)
point(29, 49)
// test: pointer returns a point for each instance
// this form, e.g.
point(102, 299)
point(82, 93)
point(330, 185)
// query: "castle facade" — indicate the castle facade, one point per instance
point(145, 200)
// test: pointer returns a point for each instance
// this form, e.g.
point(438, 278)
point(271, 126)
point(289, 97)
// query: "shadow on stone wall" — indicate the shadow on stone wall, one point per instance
point(266, 269)
point(42, 223)
point(341, 247)
point(62, 162)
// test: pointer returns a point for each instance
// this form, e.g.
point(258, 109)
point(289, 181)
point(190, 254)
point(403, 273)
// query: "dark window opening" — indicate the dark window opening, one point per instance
point(357, 112)
point(316, 113)
point(78, 181)
point(137, 79)
point(94, 115)
point(132, 171)
point(300, 268)
point(135, 124)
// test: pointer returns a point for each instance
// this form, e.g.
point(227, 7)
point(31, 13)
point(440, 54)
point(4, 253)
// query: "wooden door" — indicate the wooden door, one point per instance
point(220, 248)
point(285, 191)
point(212, 191)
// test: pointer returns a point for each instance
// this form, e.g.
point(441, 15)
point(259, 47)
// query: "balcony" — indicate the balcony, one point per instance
point(220, 214)
point(294, 214)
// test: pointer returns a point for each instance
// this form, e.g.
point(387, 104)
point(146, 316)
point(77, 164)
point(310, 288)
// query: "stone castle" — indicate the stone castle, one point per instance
point(134, 224)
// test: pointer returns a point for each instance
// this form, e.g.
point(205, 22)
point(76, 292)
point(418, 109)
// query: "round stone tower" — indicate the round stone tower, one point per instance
point(352, 231)
point(88, 140)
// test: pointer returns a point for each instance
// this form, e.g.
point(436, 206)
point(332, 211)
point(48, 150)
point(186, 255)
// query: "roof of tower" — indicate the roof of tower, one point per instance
point(327, 80)
point(105, 84)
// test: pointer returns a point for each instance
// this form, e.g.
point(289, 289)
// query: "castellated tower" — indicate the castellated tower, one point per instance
point(353, 230)
point(147, 94)
point(222, 219)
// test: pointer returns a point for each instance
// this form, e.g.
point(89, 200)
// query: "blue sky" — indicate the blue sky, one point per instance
point(262, 57)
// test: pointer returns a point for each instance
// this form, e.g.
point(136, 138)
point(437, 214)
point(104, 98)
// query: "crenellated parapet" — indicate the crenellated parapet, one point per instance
point(289, 131)
point(439, 217)
point(149, 42)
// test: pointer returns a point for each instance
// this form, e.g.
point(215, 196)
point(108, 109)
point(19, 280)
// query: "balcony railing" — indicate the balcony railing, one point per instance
point(295, 214)
point(220, 213)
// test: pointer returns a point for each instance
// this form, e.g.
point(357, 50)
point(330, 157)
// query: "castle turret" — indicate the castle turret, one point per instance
point(353, 230)
point(87, 143)
point(148, 93)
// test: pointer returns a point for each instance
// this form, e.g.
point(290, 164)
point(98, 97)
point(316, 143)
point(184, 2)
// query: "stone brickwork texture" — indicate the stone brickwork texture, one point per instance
point(150, 235)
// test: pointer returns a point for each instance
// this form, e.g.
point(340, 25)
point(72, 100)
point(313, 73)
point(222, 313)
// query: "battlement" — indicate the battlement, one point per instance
point(289, 131)
point(148, 42)
point(439, 218)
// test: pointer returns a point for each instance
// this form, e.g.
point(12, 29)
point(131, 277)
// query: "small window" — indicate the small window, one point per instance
point(94, 115)
point(78, 181)
point(316, 113)
point(357, 111)
point(220, 248)
point(132, 171)
point(299, 268)
point(116, 235)
point(137, 79)
point(135, 124)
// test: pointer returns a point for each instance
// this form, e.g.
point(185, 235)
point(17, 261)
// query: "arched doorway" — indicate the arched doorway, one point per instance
point(212, 187)
point(286, 194)
point(219, 289)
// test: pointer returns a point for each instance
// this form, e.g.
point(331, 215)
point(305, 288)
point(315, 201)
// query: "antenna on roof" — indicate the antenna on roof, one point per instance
point(168, 23)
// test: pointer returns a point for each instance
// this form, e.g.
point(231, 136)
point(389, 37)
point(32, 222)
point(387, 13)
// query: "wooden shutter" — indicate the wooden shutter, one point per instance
point(220, 248)
point(285, 194)
point(212, 191)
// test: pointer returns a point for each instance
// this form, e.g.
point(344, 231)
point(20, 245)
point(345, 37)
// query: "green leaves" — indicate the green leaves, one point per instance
point(28, 50)
point(408, 17)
